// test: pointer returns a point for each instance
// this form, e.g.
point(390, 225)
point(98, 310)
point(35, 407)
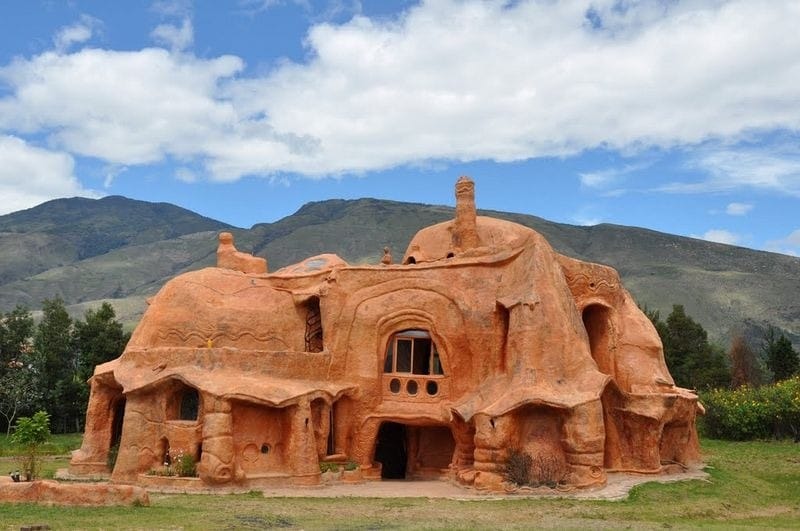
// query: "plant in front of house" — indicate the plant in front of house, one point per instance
point(30, 433)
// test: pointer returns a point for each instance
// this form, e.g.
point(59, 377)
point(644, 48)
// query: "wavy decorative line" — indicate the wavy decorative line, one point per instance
point(213, 336)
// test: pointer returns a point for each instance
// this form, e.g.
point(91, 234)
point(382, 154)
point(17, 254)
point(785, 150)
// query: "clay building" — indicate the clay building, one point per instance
point(482, 341)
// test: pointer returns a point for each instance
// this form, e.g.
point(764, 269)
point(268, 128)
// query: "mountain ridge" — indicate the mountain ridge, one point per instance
point(123, 250)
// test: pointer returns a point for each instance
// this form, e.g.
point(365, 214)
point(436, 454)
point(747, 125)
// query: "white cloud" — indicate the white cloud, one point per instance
point(112, 171)
point(185, 175)
point(124, 108)
point(774, 168)
point(447, 80)
point(721, 236)
point(789, 245)
point(77, 33)
point(609, 176)
point(738, 209)
point(177, 38)
point(30, 175)
point(172, 8)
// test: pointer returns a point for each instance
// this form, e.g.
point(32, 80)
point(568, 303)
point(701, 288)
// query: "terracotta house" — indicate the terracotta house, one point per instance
point(481, 342)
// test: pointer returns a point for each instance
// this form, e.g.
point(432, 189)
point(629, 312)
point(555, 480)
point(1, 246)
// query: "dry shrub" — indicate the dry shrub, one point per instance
point(524, 469)
point(518, 467)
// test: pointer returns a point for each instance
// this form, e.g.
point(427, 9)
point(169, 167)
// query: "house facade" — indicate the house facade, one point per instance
point(482, 342)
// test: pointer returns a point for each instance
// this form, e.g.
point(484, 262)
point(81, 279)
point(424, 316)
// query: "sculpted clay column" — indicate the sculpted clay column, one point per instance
point(217, 464)
point(465, 231)
point(302, 449)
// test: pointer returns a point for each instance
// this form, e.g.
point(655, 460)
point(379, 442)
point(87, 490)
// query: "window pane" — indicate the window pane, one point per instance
point(422, 356)
point(403, 355)
point(387, 365)
point(437, 363)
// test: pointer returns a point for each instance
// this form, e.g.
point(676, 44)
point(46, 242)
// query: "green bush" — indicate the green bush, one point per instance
point(747, 413)
point(30, 433)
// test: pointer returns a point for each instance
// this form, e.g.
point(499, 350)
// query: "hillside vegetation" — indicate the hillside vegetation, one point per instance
point(122, 250)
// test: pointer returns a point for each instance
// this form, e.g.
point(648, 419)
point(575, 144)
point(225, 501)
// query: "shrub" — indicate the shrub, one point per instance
point(767, 412)
point(31, 433)
point(518, 467)
point(184, 465)
point(328, 467)
point(351, 465)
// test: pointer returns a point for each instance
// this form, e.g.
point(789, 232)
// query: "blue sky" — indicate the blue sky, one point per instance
point(682, 117)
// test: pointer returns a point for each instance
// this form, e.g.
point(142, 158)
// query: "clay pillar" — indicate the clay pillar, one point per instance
point(218, 462)
point(135, 458)
point(493, 437)
point(92, 456)
point(302, 448)
point(584, 439)
point(465, 230)
point(366, 436)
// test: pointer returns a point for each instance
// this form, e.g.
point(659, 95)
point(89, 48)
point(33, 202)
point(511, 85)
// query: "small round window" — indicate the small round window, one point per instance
point(394, 385)
point(431, 388)
point(412, 387)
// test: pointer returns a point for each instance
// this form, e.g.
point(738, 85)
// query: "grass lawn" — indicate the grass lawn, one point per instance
point(752, 484)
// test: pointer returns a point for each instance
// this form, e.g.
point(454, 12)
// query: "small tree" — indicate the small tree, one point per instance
point(744, 364)
point(31, 433)
point(782, 359)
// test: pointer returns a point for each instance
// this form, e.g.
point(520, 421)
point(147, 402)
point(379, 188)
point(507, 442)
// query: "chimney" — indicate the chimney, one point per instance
point(465, 231)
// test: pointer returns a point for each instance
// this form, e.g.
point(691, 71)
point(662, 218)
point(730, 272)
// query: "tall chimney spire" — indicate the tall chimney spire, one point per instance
point(465, 231)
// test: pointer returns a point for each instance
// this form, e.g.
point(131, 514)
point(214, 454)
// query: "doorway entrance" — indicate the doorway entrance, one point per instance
point(391, 450)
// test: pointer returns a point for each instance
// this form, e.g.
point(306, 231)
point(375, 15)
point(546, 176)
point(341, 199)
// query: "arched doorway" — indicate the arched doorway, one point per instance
point(391, 450)
point(117, 421)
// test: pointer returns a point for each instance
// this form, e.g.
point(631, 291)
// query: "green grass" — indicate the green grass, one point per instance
point(752, 484)
point(57, 445)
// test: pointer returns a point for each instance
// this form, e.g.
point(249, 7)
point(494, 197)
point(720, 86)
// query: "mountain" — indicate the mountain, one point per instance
point(123, 250)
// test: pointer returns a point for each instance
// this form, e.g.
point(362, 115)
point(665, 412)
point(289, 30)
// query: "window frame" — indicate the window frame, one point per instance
point(435, 368)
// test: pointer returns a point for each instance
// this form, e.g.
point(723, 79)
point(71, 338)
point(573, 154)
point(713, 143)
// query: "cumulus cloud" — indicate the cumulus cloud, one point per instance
point(721, 236)
point(445, 80)
point(177, 38)
point(30, 175)
point(76, 33)
point(125, 108)
point(738, 209)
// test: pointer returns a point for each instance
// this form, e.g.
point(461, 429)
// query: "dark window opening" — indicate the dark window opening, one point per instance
point(450, 255)
point(265, 448)
point(190, 404)
point(411, 260)
point(412, 387)
point(313, 335)
point(412, 352)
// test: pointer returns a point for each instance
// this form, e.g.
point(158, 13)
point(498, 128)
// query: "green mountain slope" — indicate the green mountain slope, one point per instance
point(64, 231)
point(122, 250)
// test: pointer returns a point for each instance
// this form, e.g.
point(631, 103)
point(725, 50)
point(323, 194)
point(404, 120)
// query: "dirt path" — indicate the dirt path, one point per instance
point(617, 488)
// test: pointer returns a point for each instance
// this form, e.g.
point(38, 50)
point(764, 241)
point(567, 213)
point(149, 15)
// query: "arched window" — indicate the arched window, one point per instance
point(412, 352)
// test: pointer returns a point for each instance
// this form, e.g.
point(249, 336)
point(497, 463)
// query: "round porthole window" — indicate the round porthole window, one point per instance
point(394, 385)
point(432, 388)
point(412, 387)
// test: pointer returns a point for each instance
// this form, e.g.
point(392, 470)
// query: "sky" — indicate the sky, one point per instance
point(682, 117)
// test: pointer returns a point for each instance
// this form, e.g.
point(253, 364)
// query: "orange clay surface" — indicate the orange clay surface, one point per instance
point(483, 342)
